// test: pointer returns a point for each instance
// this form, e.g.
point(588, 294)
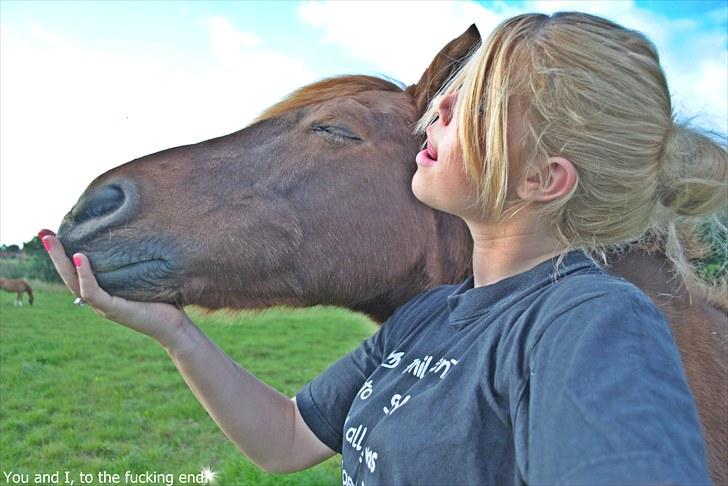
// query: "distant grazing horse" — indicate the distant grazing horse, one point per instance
point(311, 204)
point(19, 286)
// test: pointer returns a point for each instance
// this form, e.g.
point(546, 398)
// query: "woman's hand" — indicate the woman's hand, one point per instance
point(162, 322)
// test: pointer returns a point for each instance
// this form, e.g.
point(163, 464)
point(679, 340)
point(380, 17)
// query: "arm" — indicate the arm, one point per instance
point(608, 401)
point(262, 422)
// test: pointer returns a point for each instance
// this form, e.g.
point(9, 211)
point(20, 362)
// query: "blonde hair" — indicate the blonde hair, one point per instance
point(594, 93)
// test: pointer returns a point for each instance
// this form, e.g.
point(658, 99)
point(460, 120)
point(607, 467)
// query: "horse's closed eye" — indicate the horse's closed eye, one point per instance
point(335, 133)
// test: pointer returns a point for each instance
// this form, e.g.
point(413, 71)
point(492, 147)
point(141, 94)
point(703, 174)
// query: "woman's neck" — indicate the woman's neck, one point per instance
point(508, 248)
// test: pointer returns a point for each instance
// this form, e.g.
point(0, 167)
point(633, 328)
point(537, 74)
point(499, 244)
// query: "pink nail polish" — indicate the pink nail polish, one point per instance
point(77, 260)
point(46, 244)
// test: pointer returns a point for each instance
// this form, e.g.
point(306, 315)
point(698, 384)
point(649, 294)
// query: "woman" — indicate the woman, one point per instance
point(555, 137)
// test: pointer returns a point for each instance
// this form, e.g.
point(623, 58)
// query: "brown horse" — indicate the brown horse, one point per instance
point(311, 204)
point(19, 286)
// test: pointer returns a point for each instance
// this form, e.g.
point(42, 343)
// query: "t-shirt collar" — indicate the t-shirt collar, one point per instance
point(466, 303)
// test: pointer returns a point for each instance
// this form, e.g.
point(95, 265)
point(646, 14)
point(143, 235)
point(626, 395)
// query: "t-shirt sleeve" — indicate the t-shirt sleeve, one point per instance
point(608, 402)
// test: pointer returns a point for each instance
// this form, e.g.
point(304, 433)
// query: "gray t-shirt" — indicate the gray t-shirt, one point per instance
point(546, 377)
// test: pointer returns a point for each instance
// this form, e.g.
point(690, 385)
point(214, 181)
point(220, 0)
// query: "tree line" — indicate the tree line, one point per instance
point(30, 262)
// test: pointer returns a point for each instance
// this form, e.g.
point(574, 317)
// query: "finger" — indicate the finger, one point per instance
point(89, 288)
point(63, 265)
point(45, 232)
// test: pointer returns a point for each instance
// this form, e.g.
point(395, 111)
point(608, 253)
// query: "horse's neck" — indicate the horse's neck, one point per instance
point(653, 273)
point(447, 257)
point(650, 271)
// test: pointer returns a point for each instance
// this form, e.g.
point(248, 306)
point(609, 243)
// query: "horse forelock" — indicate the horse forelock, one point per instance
point(327, 89)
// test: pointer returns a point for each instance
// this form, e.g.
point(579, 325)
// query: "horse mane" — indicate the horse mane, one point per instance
point(327, 89)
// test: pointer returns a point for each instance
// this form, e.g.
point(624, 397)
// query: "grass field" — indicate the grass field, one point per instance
point(80, 394)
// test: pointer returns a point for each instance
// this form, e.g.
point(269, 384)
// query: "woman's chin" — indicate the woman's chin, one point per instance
point(423, 190)
point(460, 201)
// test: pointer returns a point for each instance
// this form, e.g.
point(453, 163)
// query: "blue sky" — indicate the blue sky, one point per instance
point(178, 28)
point(86, 86)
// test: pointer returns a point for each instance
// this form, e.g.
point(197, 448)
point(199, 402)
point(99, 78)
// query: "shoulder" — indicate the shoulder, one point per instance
point(597, 292)
point(603, 359)
point(597, 308)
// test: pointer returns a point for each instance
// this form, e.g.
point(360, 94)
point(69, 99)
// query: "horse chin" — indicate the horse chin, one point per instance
point(144, 281)
point(141, 269)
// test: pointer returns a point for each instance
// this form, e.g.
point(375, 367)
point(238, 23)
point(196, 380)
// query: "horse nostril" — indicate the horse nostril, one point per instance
point(99, 202)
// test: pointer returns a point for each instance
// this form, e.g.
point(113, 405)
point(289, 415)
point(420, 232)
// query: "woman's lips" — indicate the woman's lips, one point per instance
point(423, 159)
point(428, 156)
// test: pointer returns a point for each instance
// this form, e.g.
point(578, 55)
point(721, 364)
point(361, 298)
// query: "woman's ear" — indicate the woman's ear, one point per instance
point(547, 183)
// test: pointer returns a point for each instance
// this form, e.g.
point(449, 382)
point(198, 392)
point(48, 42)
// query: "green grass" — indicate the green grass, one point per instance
point(80, 393)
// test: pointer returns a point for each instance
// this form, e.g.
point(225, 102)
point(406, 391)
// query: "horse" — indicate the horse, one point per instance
point(19, 286)
point(311, 204)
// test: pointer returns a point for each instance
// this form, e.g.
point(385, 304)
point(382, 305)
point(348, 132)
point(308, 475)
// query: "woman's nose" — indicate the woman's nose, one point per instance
point(445, 105)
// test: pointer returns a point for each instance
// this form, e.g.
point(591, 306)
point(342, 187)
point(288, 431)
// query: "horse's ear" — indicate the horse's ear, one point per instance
point(447, 61)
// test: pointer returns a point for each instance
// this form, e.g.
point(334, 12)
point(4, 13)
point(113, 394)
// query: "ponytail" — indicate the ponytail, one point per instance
point(693, 173)
point(692, 187)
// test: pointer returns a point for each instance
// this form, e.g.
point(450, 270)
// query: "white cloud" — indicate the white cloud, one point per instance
point(226, 42)
point(701, 93)
point(398, 37)
point(71, 111)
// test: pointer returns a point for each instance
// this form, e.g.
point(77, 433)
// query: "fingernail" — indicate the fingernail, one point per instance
point(77, 260)
point(46, 243)
point(45, 232)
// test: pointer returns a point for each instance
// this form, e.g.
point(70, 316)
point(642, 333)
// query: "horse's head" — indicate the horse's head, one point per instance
point(309, 204)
